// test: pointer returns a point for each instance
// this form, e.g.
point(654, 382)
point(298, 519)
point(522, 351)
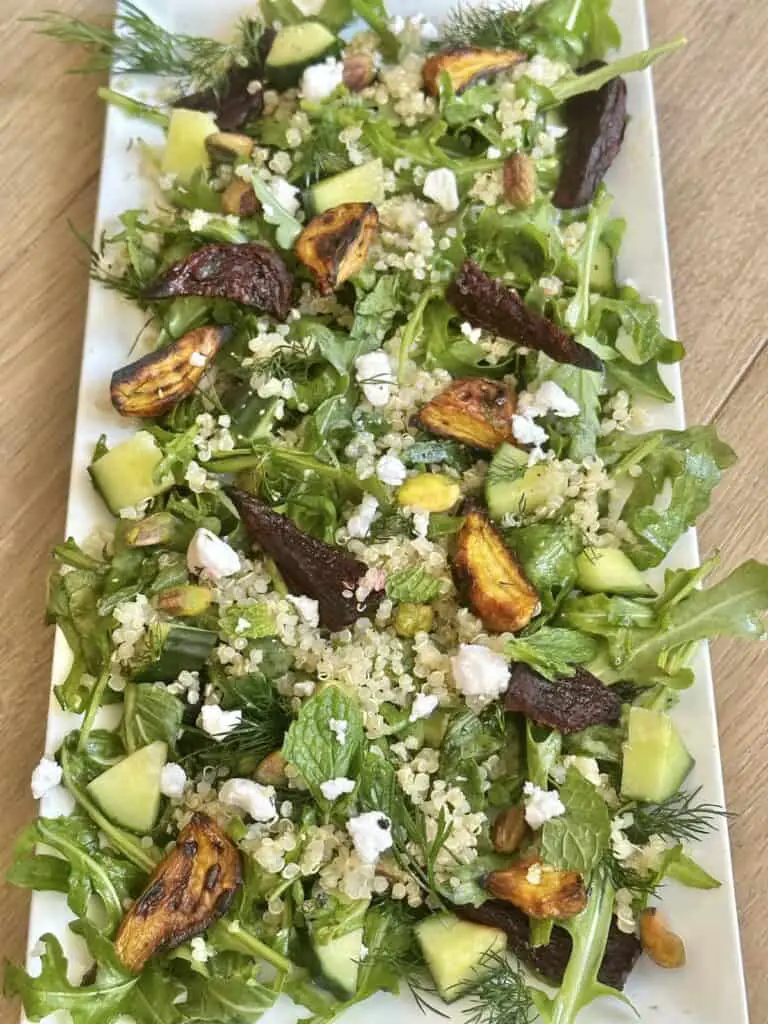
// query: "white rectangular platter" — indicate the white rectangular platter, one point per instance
point(710, 990)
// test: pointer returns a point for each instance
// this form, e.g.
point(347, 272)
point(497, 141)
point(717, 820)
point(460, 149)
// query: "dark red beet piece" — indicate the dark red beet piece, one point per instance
point(569, 704)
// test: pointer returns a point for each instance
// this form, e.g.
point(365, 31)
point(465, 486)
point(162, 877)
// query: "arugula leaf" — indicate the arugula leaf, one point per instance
point(376, 310)
point(579, 839)
point(314, 749)
point(577, 312)
point(542, 749)
point(150, 713)
point(575, 85)
point(552, 651)
point(97, 1003)
point(413, 586)
point(687, 872)
point(288, 228)
point(85, 868)
point(585, 387)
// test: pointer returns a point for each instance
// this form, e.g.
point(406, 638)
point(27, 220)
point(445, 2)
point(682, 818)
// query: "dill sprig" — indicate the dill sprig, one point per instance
point(487, 24)
point(138, 45)
point(501, 996)
point(679, 817)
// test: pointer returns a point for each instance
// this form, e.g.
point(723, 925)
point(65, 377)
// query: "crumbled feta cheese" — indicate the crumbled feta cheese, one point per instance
point(256, 800)
point(199, 950)
point(541, 805)
point(480, 673)
point(46, 776)
point(359, 523)
point(320, 80)
point(334, 788)
point(625, 917)
point(528, 432)
point(391, 471)
point(338, 727)
point(551, 286)
point(494, 153)
point(374, 373)
point(172, 781)
point(440, 185)
point(371, 834)
point(533, 876)
point(218, 723)
point(548, 397)
point(212, 555)
point(587, 767)
point(423, 706)
point(198, 219)
point(421, 523)
point(286, 194)
point(197, 359)
point(307, 607)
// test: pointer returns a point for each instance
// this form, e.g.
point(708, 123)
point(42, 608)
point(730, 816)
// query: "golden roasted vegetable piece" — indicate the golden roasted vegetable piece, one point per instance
point(466, 65)
point(188, 890)
point(661, 944)
point(509, 829)
point(229, 145)
point(239, 199)
point(473, 410)
point(334, 245)
point(539, 890)
point(491, 579)
point(157, 382)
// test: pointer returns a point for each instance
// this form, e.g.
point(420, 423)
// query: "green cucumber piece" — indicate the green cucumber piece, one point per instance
point(339, 961)
point(126, 474)
point(458, 953)
point(171, 648)
point(185, 149)
point(603, 274)
point(610, 571)
point(512, 487)
point(656, 760)
point(295, 47)
point(129, 792)
point(363, 184)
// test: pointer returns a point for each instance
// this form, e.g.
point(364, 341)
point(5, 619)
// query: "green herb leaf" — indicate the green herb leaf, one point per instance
point(552, 651)
point(413, 586)
point(579, 839)
point(575, 85)
point(251, 621)
point(150, 713)
point(315, 750)
point(288, 228)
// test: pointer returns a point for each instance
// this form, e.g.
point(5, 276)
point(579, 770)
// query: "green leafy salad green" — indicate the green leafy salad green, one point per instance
point(374, 617)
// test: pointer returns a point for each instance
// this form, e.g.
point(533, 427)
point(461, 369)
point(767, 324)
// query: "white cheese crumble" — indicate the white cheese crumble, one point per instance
point(218, 723)
point(548, 397)
point(371, 834)
point(285, 194)
point(423, 706)
point(541, 805)
point(625, 916)
point(528, 432)
point(360, 522)
point(391, 471)
point(320, 80)
point(198, 219)
point(212, 555)
point(308, 609)
point(172, 781)
point(479, 673)
point(332, 789)
point(46, 776)
point(256, 800)
point(197, 359)
point(199, 950)
point(440, 186)
point(374, 373)
point(533, 876)
point(338, 727)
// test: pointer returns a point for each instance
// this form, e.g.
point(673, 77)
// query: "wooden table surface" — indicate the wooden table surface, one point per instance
point(712, 133)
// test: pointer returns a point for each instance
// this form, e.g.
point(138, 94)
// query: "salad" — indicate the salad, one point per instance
point(374, 667)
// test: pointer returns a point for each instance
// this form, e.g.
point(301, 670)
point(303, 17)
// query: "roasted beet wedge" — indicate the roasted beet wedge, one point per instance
point(308, 566)
point(236, 101)
point(251, 274)
point(472, 410)
point(489, 304)
point(466, 65)
point(570, 704)
point(539, 890)
point(621, 954)
point(488, 575)
point(596, 123)
point(158, 381)
point(189, 889)
point(334, 245)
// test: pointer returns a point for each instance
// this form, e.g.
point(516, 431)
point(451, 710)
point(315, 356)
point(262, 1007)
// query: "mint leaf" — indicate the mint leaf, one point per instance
point(150, 713)
point(578, 839)
point(313, 747)
point(552, 651)
point(413, 586)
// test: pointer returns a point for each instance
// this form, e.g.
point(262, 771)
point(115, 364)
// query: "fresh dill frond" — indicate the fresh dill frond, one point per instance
point(128, 283)
point(487, 24)
point(501, 996)
point(138, 45)
point(679, 818)
point(623, 877)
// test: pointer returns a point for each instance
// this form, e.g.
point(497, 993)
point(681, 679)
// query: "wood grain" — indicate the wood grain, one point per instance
point(711, 105)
